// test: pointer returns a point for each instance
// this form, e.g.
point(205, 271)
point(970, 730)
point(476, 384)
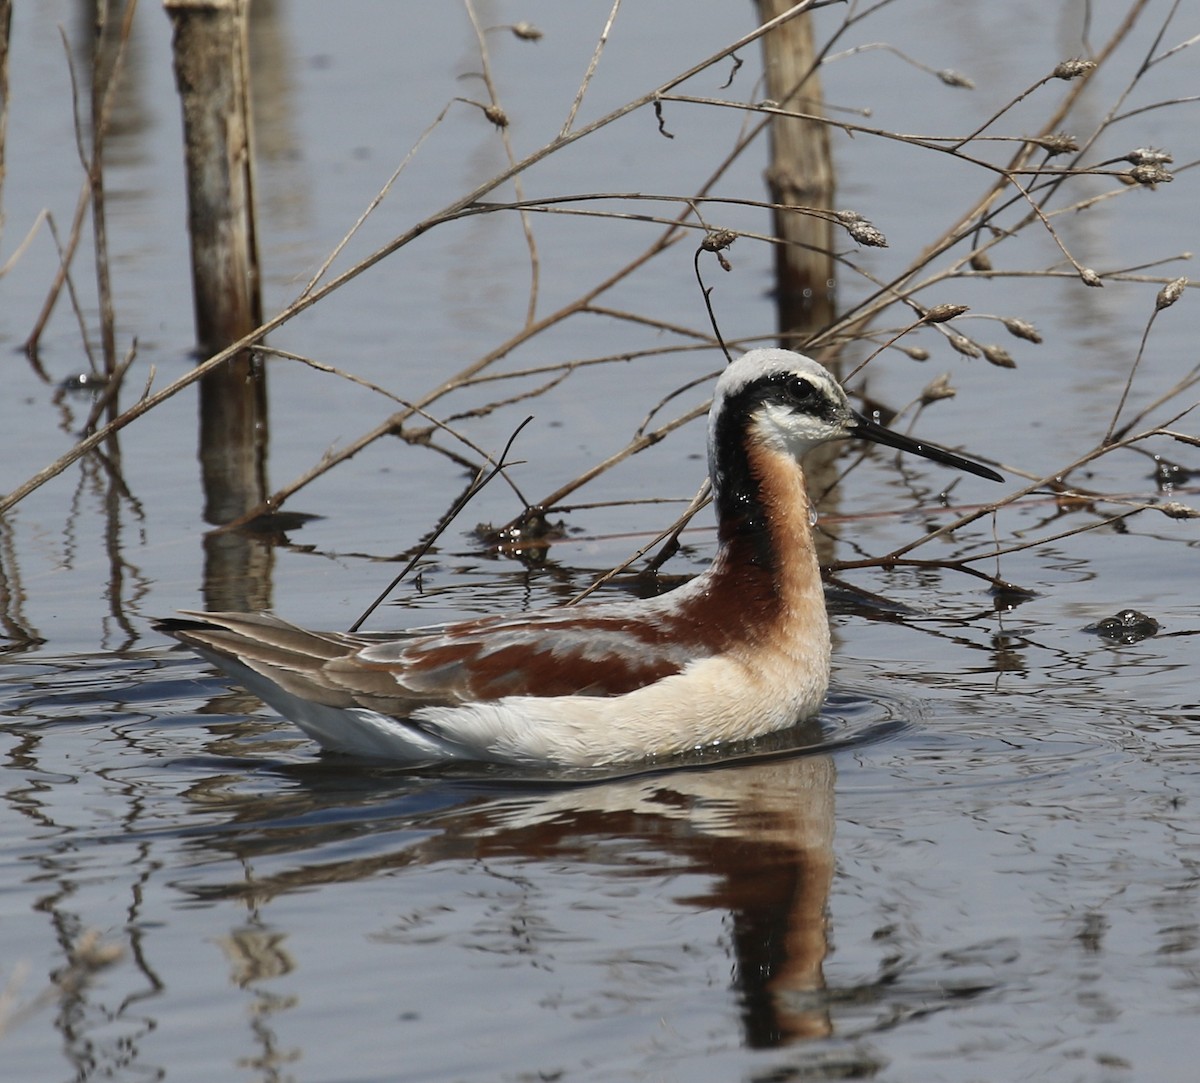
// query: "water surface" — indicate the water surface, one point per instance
point(980, 863)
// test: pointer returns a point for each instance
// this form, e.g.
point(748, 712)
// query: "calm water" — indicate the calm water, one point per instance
point(982, 863)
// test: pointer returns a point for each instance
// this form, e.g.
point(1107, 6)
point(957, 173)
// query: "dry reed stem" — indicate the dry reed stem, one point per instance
point(86, 958)
point(1163, 303)
point(76, 307)
point(601, 42)
point(482, 478)
point(112, 388)
point(93, 165)
point(670, 535)
point(459, 208)
point(968, 222)
point(434, 422)
point(1052, 479)
point(1030, 185)
point(103, 91)
point(494, 112)
point(22, 247)
point(5, 33)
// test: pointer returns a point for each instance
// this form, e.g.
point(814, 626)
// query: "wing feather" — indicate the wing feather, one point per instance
point(602, 651)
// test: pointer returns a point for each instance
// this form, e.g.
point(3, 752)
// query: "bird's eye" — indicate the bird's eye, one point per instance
point(799, 390)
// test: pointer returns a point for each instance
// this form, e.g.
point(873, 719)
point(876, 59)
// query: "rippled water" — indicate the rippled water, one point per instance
point(981, 863)
point(998, 881)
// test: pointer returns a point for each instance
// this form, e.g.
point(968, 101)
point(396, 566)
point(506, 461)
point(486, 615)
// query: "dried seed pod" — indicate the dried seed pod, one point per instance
point(1073, 68)
point(717, 239)
point(1149, 156)
point(1022, 329)
point(1170, 293)
point(937, 389)
point(917, 353)
point(980, 261)
point(1150, 174)
point(964, 345)
point(496, 115)
point(860, 229)
point(526, 31)
point(867, 234)
point(1176, 510)
point(955, 78)
point(942, 313)
point(1059, 143)
point(998, 356)
point(1090, 278)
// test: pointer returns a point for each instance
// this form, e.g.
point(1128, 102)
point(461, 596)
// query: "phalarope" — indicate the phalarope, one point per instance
point(741, 650)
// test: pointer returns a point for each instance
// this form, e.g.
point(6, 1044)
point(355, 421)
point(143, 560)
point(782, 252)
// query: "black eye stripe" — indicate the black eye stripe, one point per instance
point(793, 390)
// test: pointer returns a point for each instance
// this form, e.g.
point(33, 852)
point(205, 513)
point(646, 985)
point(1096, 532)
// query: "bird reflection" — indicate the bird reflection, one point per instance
point(761, 833)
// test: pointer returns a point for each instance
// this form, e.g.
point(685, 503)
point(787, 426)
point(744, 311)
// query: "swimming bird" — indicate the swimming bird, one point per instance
point(741, 650)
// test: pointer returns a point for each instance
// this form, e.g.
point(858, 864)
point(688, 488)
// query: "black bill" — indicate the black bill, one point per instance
point(867, 429)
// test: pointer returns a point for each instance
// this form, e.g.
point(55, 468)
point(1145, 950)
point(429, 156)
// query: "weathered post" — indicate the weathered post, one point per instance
point(5, 27)
point(800, 174)
point(211, 46)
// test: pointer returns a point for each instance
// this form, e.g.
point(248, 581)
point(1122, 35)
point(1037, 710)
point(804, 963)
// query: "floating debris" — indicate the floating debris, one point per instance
point(526, 537)
point(1168, 474)
point(1127, 626)
point(84, 383)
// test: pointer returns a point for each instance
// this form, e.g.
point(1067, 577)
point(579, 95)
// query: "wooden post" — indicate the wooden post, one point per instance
point(800, 173)
point(5, 27)
point(211, 45)
point(211, 71)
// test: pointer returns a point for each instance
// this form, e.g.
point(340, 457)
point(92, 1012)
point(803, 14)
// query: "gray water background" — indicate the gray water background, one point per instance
point(991, 873)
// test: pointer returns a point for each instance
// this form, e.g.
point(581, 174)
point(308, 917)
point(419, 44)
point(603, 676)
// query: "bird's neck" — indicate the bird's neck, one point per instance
point(766, 568)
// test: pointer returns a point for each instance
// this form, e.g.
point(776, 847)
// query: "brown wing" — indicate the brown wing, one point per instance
point(602, 651)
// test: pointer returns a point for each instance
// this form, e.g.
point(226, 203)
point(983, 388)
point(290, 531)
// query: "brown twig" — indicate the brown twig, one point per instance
point(459, 208)
point(670, 535)
point(1167, 296)
point(495, 110)
point(481, 480)
point(601, 42)
point(100, 125)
